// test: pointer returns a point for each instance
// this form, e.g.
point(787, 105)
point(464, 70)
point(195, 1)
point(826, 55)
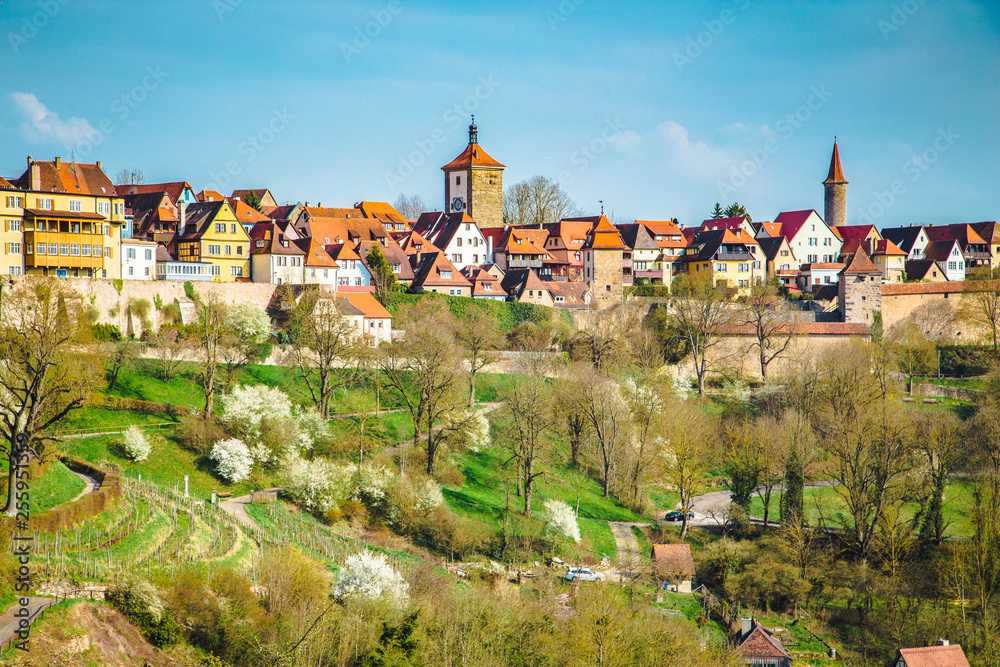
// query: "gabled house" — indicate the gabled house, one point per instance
point(948, 255)
point(212, 234)
point(274, 256)
point(854, 235)
point(812, 277)
point(150, 216)
point(942, 654)
point(674, 566)
point(398, 260)
point(433, 272)
point(248, 217)
point(810, 238)
point(669, 238)
point(352, 274)
point(975, 249)
point(391, 219)
point(484, 284)
point(179, 192)
point(912, 240)
point(457, 236)
point(267, 202)
point(888, 257)
point(567, 294)
point(565, 245)
point(718, 255)
point(604, 260)
point(643, 260)
point(989, 231)
point(524, 286)
point(376, 320)
point(925, 270)
point(732, 224)
point(759, 647)
point(138, 259)
point(777, 256)
point(319, 268)
point(520, 249)
point(412, 243)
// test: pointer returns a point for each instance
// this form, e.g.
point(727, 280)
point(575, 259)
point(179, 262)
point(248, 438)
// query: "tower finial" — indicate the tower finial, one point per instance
point(473, 131)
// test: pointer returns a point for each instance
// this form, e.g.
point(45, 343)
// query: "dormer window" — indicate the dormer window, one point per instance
point(446, 275)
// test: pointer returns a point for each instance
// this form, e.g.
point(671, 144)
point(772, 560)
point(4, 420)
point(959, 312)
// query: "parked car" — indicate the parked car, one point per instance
point(677, 515)
point(583, 574)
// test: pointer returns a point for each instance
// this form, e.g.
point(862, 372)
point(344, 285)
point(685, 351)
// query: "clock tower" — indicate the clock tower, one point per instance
point(473, 184)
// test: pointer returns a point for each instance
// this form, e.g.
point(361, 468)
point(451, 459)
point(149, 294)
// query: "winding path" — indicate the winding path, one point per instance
point(628, 559)
point(237, 507)
point(10, 624)
point(91, 484)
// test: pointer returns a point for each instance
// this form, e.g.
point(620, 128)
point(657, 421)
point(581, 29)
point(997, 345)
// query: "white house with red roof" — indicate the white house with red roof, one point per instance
point(457, 235)
point(352, 274)
point(809, 237)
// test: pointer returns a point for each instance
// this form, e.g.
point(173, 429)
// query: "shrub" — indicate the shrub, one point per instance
point(369, 576)
point(245, 407)
point(198, 434)
point(139, 602)
point(248, 322)
point(232, 460)
point(560, 521)
point(189, 291)
point(317, 484)
point(106, 333)
point(136, 444)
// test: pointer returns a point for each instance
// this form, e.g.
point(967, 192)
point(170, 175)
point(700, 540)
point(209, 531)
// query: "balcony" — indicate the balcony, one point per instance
point(524, 263)
point(733, 257)
point(69, 250)
point(649, 273)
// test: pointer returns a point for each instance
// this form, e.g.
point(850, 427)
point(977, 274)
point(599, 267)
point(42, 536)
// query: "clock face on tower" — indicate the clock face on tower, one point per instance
point(457, 204)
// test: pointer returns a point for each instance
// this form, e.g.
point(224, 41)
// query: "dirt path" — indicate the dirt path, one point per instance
point(237, 507)
point(628, 560)
point(92, 484)
point(10, 624)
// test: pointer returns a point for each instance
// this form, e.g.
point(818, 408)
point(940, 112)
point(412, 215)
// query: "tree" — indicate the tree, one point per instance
point(425, 369)
point(536, 201)
point(480, 338)
point(737, 210)
point(684, 453)
point(130, 176)
point(700, 316)
point(912, 353)
point(211, 330)
point(383, 278)
point(742, 443)
point(121, 355)
point(410, 207)
point(981, 305)
point(601, 333)
point(252, 200)
point(168, 351)
point(717, 212)
point(325, 347)
point(647, 398)
point(770, 325)
point(246, 327)
point(569, 408)
point(601, 401)
point(529, 426)
point(941, 440)
point(47, 370)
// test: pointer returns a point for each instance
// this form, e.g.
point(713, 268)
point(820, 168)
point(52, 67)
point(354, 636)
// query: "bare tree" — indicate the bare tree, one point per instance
point(701, 315)
point(684, 453)
point(325, 347)
point(121, 355)
point(211, 333)
point(770, 325)
point(912, 353)
point(130, 176)
point(168, 351)
point(410, 207)
point(941, 440)
point(981, 305)
point(570, 410)
point(536, 201)
point(530, 421)
point(480, 338)
point(47, 370)
point(601, 401)
point(647, 398)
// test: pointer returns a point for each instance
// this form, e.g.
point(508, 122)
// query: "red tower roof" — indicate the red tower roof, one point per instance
point(836, 175)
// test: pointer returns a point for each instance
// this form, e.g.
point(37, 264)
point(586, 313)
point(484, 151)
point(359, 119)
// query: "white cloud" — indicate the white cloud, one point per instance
point(43, 124)
point(699, 158)
point(624, 140)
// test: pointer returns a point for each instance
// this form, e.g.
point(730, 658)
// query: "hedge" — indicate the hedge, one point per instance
point(966, 360)
point(69, 514)
point(118, 404)
point(507, 314)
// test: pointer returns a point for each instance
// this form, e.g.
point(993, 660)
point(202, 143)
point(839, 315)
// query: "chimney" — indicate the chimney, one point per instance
point(746, 625)
point(307, 204)
point(58, 161)
point(98, 165)
point(942, 642)
point(35, 177)
point(319, 204)
point(181, 211)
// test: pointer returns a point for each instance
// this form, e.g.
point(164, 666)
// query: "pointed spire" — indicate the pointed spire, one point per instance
point(836, 174)
point(473, 132)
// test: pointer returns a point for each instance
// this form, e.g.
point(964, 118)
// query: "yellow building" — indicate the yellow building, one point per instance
point(11, 214)
point(71, 220)
point(720, 256)
point(211, 233)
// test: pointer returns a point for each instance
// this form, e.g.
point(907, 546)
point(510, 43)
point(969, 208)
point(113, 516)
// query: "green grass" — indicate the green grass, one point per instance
point(54, 487)
point(645, 548)
point(963, 383)
point(825, 502)
point(167, 463)
point(92, 418)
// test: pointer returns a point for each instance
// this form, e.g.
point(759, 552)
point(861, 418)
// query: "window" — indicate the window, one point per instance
point(27, 248)
point(15, 248)
point(74, 250)
point(75, 206)
point(220, 228)
point(107, 251)
point(456, 258)
point(719, 266)
point(214, 249)
point(41, 248)
point(15, 225)
point(64, 249)
point(446, 275)
point(229, 250)
point(85, 250)
point(239, 250)
point(560, 299)
point(357, 282)
point(952, 266)
point(45, 203)
point(468, 226)
point(784, 253)
point(98, 251)
point(232, 228)
point(149, 254)
point(104, 208)
point(236, 271)
point(458, 180)
point(15, 270)
point(451, 292)
point(130, 271)
point(147, 271)
point(458, 242)
point(130, 253)
point(16, 202)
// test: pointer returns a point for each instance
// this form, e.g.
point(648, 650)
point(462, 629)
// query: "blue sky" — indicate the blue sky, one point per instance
point(658, 108)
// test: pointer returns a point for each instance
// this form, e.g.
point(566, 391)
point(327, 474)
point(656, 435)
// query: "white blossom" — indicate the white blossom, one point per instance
point(136, 444)
point(245, 407)
point(232, 460)
point(479, 432)
point(248, 322)
point(428, 497)
point(370, 576)
point(317, 484)
point(560, 520)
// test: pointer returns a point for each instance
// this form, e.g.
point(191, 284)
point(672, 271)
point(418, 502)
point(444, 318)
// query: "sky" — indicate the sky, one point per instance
point(658, 109)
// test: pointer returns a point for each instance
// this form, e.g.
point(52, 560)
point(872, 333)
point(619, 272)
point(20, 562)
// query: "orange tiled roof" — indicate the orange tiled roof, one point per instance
point(380, 210)
point(245, 214)
point(934, 656)
point(316, 255)
point(67, 177)
point(209, 195)
point(836, 175)
point(366, 303)
point(604, 236)
point(473, 156)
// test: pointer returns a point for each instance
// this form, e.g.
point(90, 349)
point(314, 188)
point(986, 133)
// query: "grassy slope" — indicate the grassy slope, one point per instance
point(53, 487)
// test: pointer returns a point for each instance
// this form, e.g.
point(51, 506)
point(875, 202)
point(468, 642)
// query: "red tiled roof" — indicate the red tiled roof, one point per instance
point(759, 643)
point(473, 156)
point(964, 234)
point(861, 265)
point(174, 190)
point(68, 177)
point(5, 185)
point(807, 328)
point(822, 265)
point(604, 236)
point(409, 241)
point(245, 214)
point(428, 271)
point(723, 223)
point(792, 221)
point(934, 656)
point(949, 287)
point(316, 254)
point(836, 174)
point(674, 557)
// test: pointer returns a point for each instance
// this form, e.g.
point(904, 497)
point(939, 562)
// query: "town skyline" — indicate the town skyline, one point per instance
point(652, 145)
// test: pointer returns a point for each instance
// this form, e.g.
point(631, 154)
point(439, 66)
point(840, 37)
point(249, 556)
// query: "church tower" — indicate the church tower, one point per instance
point(473, 183)
point(835, 204)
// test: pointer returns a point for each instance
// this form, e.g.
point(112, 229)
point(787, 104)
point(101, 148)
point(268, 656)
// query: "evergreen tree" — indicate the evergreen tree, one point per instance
point(717, 212)
point(253, 201)
point(737, 210)
point(383, 279)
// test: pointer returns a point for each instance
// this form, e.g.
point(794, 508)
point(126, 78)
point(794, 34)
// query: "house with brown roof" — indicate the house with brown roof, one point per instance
point(520, 249)
point(925, 270)
point(72, 220)
point(603, 259)
point(267, 203)
point(151, 216)
point(274, 256)
point(413, 243)
point(179, 192)
point(433, 272)
point(319, 268)
point(946, 253)
point(989, 231)
point(398, 260)
point(778, 257)
point(565, 245)
point(247, 216)
point(484, 284)
point(758, 646)
point(457, 235)
point(975, 249)
point(942, 654)
point(524, 286)
point(721, 256)
point(674, 566)
point(643, 262)
point(567, 294)
point(212, 234)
